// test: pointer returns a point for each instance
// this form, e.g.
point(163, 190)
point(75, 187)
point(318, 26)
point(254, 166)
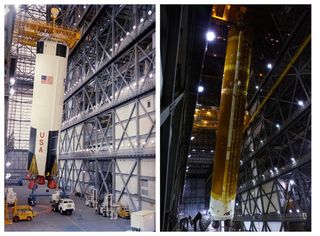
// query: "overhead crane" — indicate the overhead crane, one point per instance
point(29, 32)
point(206, 117)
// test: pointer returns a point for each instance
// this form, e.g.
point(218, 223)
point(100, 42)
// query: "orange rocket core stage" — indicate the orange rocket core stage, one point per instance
point(231, 117)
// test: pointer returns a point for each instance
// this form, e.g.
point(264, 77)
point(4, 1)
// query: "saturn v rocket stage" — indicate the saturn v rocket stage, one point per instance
point(230, 127)
point(46, 115)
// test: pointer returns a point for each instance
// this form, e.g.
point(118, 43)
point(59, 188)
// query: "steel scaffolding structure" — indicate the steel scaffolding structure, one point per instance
point(274, 187)
point(108, 133)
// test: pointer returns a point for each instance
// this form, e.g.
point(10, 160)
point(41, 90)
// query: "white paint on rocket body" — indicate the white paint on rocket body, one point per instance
point(47, 101)
point(218, 209)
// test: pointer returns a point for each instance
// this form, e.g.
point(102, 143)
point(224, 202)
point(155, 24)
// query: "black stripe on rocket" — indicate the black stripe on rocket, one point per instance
point(51, 151)
point(32, 145)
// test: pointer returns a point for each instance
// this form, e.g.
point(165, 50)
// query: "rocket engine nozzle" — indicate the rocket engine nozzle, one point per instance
point(52, 184)
point(32, 184)
point(41, 180)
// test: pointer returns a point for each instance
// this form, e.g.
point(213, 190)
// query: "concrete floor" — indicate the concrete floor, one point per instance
point(82, 219)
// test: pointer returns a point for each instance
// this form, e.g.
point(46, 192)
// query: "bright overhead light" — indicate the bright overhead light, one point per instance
point(269, 66)
point(12, 81)
point(192, 138)
point(8, 175)
point(210, 36)
point(301, 103)
point(149, 12)
point(134, 27)
point(257, 87)
point(141, 20)
point(8, 164)
point(6, 10)
point(189, 155)
point(291, 182)
point(298, 211)
point(200, 89)
point(12, 91)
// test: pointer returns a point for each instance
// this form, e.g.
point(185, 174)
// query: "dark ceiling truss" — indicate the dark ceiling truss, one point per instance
point(277, 146)
point(290, 42)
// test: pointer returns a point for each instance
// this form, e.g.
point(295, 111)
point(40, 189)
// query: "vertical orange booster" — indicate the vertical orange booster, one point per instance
point(230, 127)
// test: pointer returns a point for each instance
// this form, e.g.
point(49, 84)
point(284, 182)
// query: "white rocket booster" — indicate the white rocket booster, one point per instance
point(46, 114)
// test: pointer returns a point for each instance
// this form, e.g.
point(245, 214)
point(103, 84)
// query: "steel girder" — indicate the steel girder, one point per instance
point(275, 173)
point(80, 175)
point(110, 86)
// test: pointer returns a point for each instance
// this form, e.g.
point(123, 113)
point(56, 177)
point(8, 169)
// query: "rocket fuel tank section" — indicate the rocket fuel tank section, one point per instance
point(230, 126)
point(46, 114)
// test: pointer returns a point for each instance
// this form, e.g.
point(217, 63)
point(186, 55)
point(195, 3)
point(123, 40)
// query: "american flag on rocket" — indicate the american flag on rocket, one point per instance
point(45, 79)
